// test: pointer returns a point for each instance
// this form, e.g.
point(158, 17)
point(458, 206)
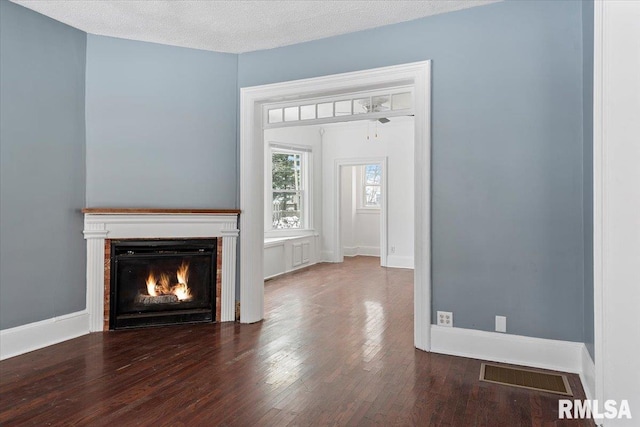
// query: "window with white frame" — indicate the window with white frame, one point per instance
point(371, 190)
point(289, 198)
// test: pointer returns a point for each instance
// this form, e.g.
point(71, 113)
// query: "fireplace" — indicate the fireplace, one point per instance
point(162, 282)
point(102, 226)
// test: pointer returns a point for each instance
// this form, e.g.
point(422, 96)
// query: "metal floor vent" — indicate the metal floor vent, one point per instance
point(525, 378)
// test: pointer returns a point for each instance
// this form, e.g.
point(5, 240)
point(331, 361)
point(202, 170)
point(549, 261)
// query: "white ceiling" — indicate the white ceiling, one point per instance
point(236, 26)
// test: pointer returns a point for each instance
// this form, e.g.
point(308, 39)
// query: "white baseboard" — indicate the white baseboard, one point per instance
point(350, 251)
point(34, 336)
point(361, 251)
point(395, 261)
point(369, 251)
point(588, 374)
point(327, 256)
point(564, 356)
point(300, 267)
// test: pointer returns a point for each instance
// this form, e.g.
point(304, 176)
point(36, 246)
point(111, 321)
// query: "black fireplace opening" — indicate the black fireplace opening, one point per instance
point(162, 282)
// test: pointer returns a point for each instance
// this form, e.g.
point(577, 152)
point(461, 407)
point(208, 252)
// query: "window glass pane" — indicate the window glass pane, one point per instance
point(291, 114)
point(325, 110)
point(381, 103)
point(287, 210)
point(286, 171)
point(361, 106)
point(401, 101)
point(343, 108)
point(275, 115)
point(372, 174)
point(372, 195)
point(308, 112)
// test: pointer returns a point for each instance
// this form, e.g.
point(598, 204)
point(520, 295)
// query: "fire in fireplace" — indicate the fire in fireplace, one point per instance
point(162, 282)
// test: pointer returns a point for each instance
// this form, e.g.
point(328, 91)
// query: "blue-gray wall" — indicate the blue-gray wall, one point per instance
point(161, 125)
point(42, 172)
point(587, 171)
point(507, 176)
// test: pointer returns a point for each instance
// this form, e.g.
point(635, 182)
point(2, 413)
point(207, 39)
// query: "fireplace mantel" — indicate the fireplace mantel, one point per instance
point(141, 211)
point(101, 224)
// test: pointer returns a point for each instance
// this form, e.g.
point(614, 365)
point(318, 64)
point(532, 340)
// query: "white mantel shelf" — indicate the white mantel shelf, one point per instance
point(101, 224)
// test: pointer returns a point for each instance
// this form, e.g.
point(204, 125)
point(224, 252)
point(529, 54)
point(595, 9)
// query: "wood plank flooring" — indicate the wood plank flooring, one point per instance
point(336, 348)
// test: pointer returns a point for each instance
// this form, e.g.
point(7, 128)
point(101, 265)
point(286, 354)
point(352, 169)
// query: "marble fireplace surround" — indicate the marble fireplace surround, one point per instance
point(104, 224)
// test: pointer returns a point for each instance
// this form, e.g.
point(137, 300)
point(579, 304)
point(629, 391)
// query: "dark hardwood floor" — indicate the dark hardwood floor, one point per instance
point(336, 348)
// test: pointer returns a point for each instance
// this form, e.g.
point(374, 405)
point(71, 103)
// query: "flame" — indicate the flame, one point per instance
point(162, 285)
point(165, 287)
point(183, 273)
point(181, 290)
point(151, 285)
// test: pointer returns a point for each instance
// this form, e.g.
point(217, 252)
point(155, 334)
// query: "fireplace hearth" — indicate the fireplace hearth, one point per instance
point(162, 282)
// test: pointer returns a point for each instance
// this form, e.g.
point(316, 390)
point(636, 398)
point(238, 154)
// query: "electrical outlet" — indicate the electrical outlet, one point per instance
point(501, 324)
point(445, 318)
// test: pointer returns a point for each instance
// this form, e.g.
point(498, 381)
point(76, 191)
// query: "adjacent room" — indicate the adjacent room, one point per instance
point(312, 212)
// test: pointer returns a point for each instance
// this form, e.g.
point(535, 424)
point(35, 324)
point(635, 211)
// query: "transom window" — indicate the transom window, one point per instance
point(397, 101)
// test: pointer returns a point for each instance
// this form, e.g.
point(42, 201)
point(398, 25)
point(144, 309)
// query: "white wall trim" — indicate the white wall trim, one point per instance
point(351, 251)
point(598, 154)
point(616, 204)
point(396, 261)
point(33, 336)
point(564, 356)
point(416, 74)
point(588, 374)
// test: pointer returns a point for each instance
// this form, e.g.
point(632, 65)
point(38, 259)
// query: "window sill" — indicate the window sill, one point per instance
point(287, 234)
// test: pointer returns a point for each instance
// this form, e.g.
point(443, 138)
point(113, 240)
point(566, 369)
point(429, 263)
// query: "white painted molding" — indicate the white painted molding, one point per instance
point(33, 336)
point(228, 288)
point(588, 374)
point(564, 356)
point(351, 251)
point(598, 196)
point(616, 204)
point(99, 227)
point(416, 74)
point(396, 261)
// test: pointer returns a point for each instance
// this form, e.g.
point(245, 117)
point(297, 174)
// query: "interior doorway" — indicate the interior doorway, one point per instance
point(361, 208)
point(252, 118)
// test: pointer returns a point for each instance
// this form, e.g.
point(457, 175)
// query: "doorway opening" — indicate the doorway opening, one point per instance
point(252, 163)
point(361, 209)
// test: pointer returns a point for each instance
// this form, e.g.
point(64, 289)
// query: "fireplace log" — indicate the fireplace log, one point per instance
point(160, 299)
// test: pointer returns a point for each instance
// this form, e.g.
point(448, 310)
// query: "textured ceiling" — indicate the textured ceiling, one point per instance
point(235, 26)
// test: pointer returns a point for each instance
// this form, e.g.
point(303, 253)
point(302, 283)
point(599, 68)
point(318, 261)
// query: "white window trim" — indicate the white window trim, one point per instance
point(307, 192)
